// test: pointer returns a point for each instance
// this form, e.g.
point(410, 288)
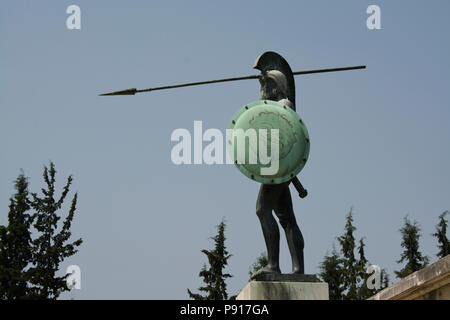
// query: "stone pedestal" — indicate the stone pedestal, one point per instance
point(285, 288)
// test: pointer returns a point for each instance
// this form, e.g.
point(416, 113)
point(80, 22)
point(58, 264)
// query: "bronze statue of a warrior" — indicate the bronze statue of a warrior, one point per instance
point(277, 83)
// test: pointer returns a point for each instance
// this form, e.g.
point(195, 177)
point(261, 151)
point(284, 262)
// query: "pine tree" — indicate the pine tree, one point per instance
point(15, 244)
point(213, 277)
point(260, 263)
point(51, 247)
point(28, 265)
point(345, 274)
point(331, 271)
point(441, 235)
point(350, 270)
point(363, 290)
point(411, 255)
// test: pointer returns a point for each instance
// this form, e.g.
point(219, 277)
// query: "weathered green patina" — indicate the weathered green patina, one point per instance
point(292, 143)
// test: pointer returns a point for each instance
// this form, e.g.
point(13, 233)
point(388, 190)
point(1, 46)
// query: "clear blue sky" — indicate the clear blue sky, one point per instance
point(379, 138)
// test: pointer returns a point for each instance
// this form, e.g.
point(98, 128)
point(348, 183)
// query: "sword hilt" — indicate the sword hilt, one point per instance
point(302, 192)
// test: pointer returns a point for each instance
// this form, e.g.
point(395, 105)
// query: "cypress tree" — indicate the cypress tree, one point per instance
point(411, 254)
point(213, 276)
point(350, 268)
point(441, 235)
point(50, 248)
point(331, 271)
point(345, 274)
point(15, 244)
point(363, 290)
point(28, 265)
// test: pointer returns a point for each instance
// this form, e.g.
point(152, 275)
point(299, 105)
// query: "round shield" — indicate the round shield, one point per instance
point(268, 142)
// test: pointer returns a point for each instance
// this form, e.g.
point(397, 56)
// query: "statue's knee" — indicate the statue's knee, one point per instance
point(284, 224)
point(260, 212)
point(287, 221)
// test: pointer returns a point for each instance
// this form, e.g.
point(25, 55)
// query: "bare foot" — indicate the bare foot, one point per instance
point(266, 270)
point(297, 271)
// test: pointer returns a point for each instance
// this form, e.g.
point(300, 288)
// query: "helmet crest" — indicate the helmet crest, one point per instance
point(271, 64)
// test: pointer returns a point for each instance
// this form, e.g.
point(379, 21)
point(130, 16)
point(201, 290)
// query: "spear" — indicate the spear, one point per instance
point(133, 91)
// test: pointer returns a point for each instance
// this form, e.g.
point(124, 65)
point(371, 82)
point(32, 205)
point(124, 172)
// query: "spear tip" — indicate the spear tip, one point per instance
point(131, 91)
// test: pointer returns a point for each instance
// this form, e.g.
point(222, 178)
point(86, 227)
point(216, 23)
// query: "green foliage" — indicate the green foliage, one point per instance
point(350, 275)
point(441, 235)
point(331, 272)
point(345, 274)
point(15, 244)
point(363, 291)
point(29, 266)
point(260, 263)
point(213, 277)
point(411, 254)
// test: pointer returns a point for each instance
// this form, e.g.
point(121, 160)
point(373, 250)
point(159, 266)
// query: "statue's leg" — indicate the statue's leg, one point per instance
point(267, 198)
point(294, 237)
